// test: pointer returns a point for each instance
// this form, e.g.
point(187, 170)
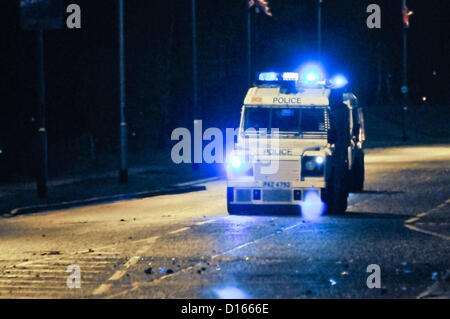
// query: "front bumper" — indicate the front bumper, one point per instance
point(254, 195)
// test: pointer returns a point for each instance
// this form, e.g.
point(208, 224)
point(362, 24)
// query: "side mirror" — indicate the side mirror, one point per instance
point(332, 136)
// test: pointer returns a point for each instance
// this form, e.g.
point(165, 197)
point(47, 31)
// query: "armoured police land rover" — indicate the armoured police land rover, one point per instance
point(298, 134)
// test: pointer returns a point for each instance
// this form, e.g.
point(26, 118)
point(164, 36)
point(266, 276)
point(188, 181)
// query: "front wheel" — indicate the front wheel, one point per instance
point(335, 194)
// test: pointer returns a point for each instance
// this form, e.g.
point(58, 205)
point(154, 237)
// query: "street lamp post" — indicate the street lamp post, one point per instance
point(123, 174)
point(197, 111)
point(42, 172)
point(404, 88)
point(319, 29)
point(249, 46)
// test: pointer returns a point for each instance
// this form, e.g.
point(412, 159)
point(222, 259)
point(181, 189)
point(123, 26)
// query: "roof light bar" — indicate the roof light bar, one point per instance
point(338, 81)
point(290, 76)
point(311, 74)
point(269, 76)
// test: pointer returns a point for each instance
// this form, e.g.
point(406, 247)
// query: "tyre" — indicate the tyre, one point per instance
point(336, 193)
point(357, 173)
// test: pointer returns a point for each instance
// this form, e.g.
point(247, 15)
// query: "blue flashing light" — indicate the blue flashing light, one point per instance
point(319, 160)
point(339, 81)
point(311, 74)
point(268, 76)
point(236, 162)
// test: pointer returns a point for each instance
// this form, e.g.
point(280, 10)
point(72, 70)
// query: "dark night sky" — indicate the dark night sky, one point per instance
point(81, 65)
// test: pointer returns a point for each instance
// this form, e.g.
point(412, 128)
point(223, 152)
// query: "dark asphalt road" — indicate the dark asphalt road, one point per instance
point(186, 246)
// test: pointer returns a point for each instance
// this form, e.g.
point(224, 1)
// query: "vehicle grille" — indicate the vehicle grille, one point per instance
point(243, 195)
point(277, 195)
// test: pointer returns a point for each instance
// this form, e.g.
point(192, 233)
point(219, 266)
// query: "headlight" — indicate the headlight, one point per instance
point(312, 166)
point(238, 167)
point(236, 162)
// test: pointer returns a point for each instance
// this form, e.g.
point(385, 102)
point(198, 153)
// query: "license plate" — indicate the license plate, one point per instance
point(277, 184)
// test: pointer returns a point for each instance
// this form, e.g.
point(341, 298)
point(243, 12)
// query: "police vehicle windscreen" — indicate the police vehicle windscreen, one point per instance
point(286, 120)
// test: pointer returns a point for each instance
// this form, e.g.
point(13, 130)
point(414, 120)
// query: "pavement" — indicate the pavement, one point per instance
point(187, 246)
point(86, 189)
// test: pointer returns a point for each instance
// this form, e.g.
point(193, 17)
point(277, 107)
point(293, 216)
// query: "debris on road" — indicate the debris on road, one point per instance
point(49, 253)
point(149, 271)
point(407, 271)
point(162, 270)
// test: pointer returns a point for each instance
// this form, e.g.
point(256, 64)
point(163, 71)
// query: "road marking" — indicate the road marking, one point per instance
point(428, 232)
point(132, 261)
point(102, 289)
point(44, 271)
point(43, 278)
point(419, 216)
point(179, 230)
point(257, 239)
point(436, 291)
point(204, 222)
point(149, 240)
point(36, 277)
point(33, 288)
point(38, 267)
point(89, 263)
point(117, 275)
point(143, 250)
point(120, 273)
